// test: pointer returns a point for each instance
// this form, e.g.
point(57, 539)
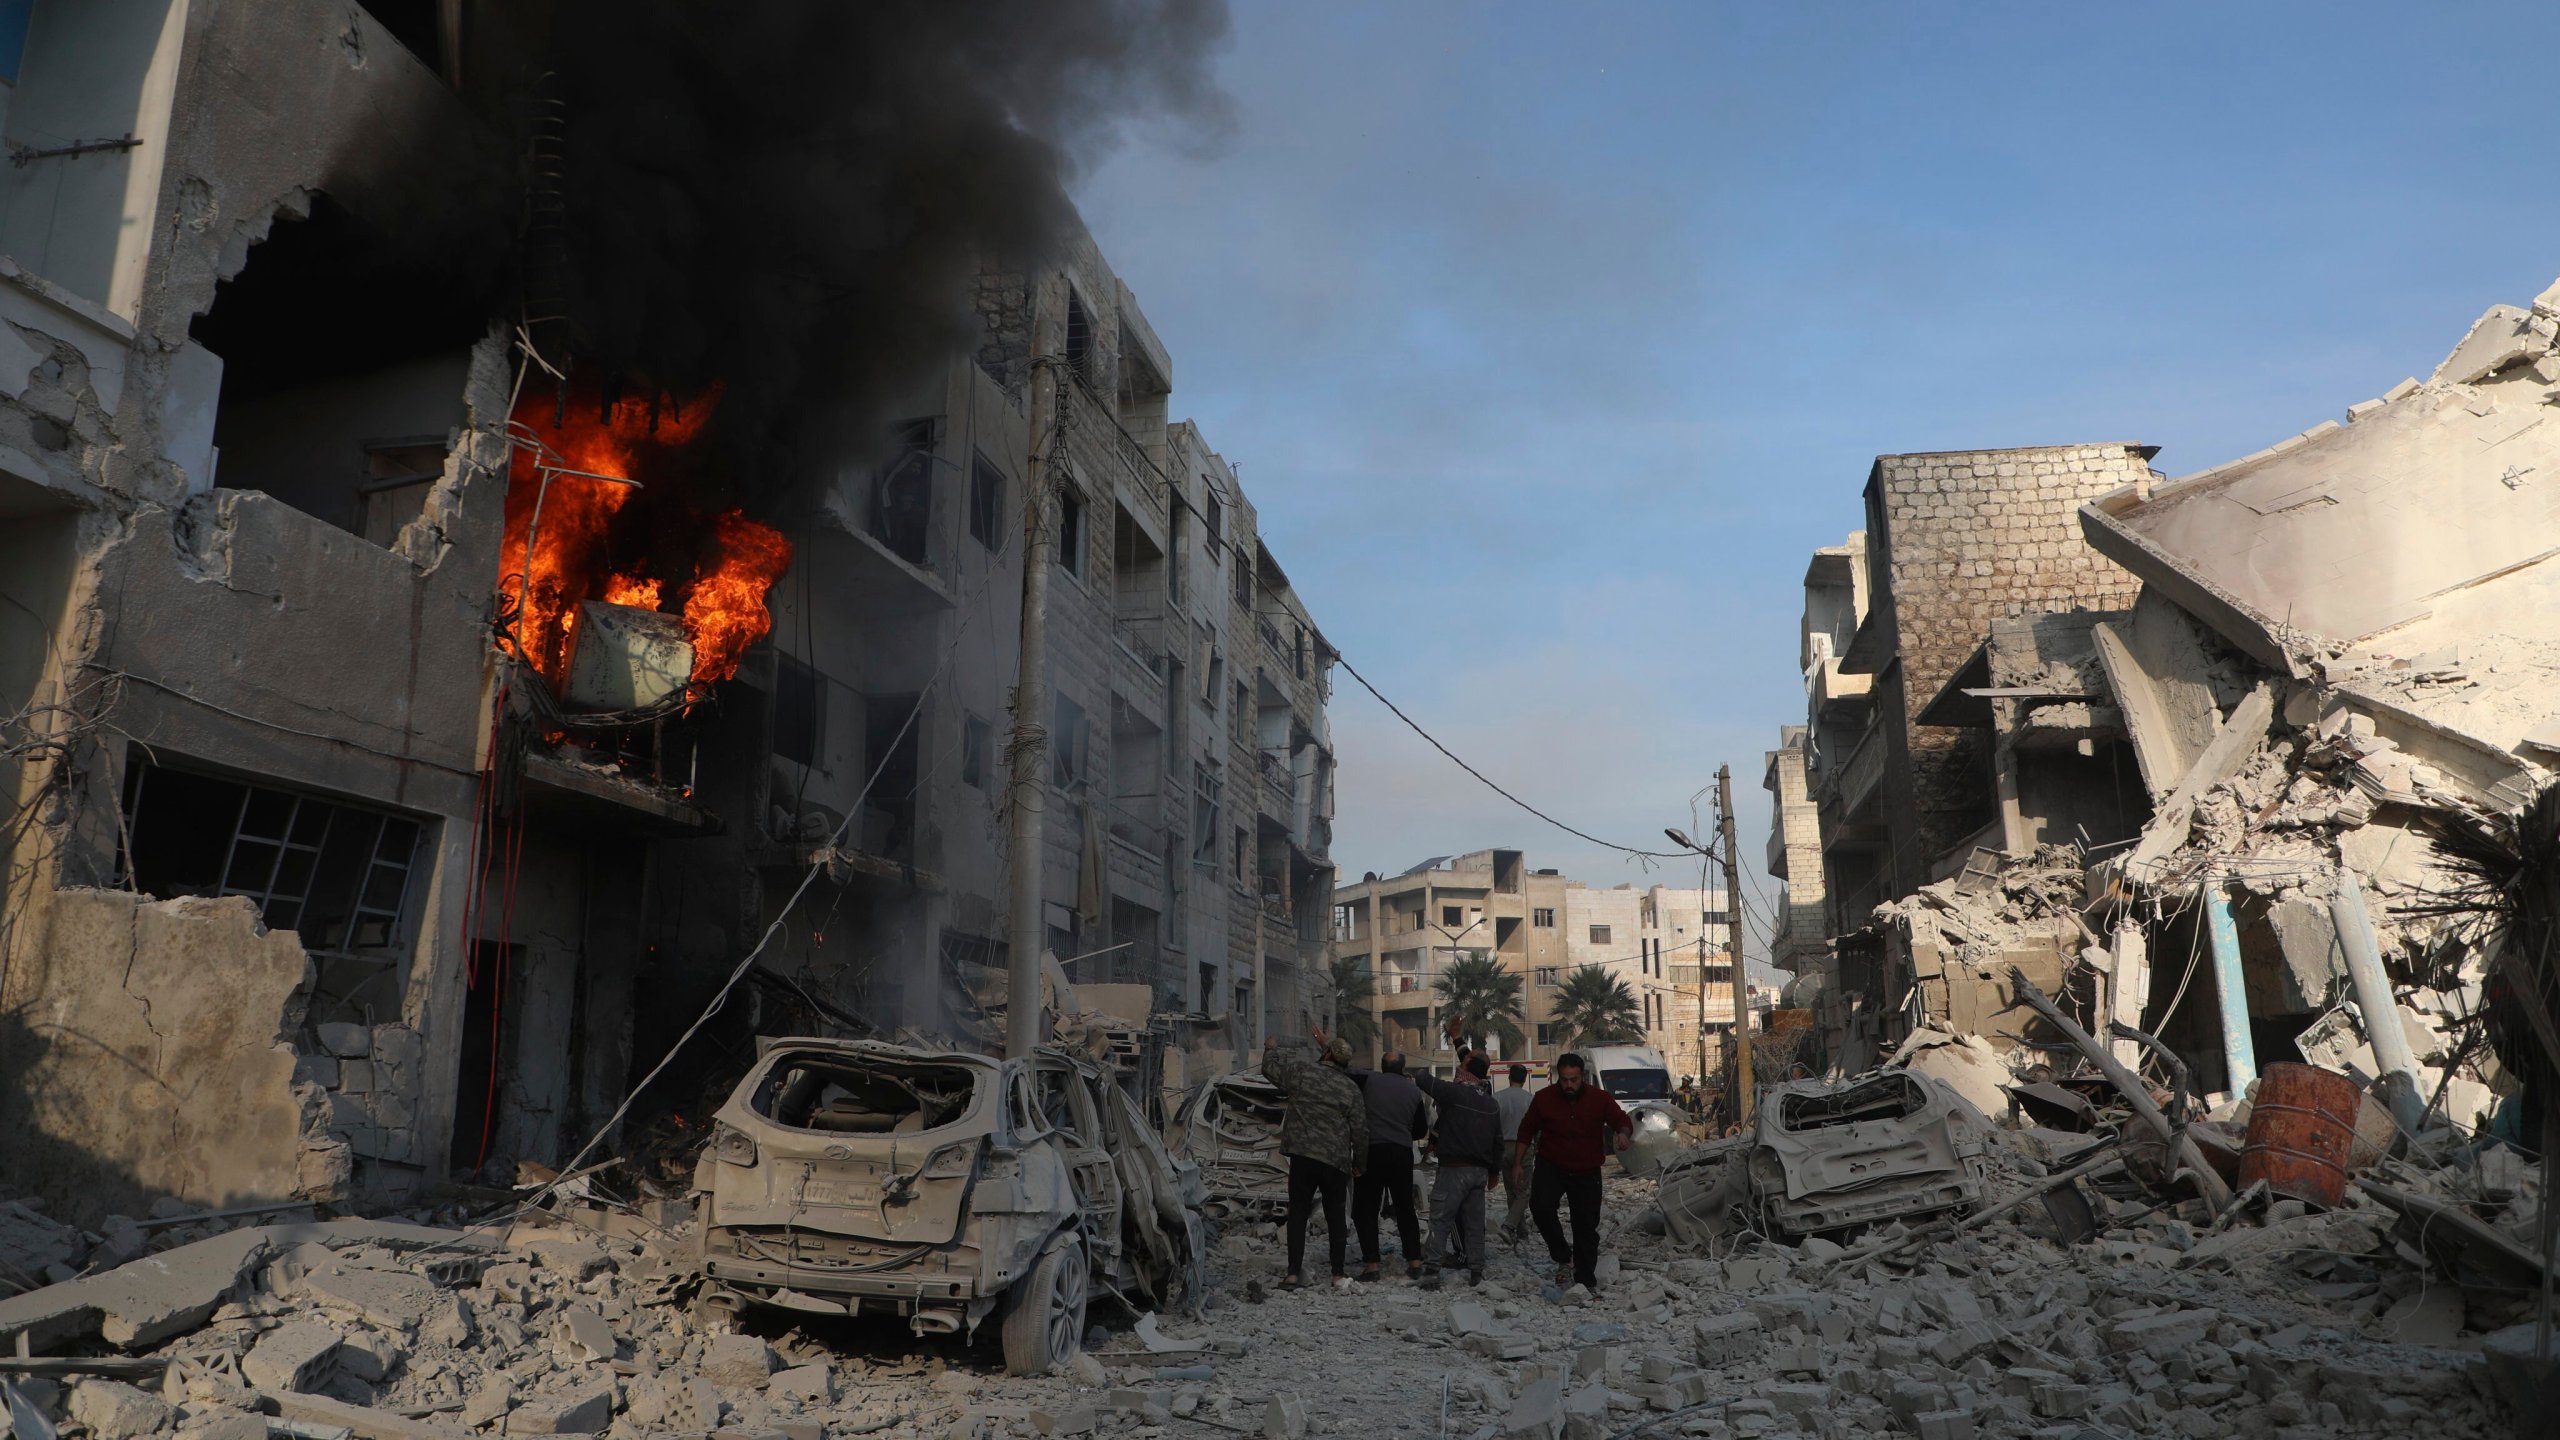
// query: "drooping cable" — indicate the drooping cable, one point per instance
point(1487, 781)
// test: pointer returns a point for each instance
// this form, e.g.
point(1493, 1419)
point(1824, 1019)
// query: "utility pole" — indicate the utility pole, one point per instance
point(1733, 950)
point(1027, 933)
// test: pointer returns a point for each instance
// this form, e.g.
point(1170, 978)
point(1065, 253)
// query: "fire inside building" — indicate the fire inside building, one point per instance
point(435, 654)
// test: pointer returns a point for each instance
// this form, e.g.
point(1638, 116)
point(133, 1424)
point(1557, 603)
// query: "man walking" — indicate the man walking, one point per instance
point(1570, 1122)
point(1322, 1135)
point(1470, 1146)
point(1395, 1121)
point(1513, 1103)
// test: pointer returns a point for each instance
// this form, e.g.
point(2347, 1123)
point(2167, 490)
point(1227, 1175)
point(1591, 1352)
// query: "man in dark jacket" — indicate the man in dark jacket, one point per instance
point(1570, 1122)
point(1395, 1121)
point(1469, 1143)
point(1322, 1132)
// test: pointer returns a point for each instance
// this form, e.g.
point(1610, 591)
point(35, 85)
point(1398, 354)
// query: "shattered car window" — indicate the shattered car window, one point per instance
point(847, 1097)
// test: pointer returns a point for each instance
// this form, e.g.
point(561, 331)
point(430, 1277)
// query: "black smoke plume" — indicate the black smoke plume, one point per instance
point(790, 198)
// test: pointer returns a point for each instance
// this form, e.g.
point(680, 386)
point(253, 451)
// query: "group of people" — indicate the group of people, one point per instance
point(1349, 1135)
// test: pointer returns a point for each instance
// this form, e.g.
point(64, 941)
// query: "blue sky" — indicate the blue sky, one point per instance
point(1551, 338)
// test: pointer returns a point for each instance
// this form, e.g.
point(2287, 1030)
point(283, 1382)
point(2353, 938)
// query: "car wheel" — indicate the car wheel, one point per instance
point(1044, 1311)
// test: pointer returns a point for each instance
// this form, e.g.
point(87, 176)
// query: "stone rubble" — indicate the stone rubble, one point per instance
point(2310, 1325)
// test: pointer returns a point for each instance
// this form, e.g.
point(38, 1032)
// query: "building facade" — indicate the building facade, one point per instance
point(1539, 925)
point(377, 810)
point(1918, 632)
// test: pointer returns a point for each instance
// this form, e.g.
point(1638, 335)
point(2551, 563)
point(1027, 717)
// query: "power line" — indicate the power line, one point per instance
point(1487, 781)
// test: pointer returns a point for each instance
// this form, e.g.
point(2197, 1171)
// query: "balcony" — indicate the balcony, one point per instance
point(1861, 775)
point(1836, 696)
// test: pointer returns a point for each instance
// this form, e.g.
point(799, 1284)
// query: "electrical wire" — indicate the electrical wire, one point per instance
point(1487, 781)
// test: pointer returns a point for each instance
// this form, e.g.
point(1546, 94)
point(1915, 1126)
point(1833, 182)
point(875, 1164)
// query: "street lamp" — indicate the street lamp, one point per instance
point(1452, 936)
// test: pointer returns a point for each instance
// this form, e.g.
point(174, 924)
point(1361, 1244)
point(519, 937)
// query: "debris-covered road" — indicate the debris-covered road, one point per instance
point(2316, 1324)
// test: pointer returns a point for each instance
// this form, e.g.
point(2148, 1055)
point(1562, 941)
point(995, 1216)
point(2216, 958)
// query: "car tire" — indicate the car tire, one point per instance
point(1044, 1311)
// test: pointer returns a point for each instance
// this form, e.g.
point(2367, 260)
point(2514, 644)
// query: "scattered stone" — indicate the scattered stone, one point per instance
point(584, 1337)
point(116, 1411)
point(808, 1384)
point(584, 1409)
point(292, 1357)
point(737, 1362)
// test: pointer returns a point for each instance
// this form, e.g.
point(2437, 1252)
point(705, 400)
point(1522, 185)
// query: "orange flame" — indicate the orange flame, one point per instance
point(572, 550)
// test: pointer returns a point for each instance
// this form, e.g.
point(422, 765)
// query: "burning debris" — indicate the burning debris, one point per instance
point(617, 502)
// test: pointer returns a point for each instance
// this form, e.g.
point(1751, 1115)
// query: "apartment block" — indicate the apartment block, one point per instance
point(1540, 926)
point(413, 730)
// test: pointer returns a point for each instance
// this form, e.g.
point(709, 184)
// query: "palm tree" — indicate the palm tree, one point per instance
point(1354, 990)
point(1482, 997)
point(1594, 1007)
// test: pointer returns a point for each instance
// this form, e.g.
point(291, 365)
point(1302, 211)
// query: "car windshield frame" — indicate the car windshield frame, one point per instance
point(1641, 1082)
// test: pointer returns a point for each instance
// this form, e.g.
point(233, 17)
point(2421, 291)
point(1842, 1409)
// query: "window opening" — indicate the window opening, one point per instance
point(1067, 740)
point(1543, 918)
point(902, 493)
point(975, 734)
point(1080, 357)
point(799, 711)
point(335, 874)
point(986, 503)
point(1599, 934)
point(1071, 531)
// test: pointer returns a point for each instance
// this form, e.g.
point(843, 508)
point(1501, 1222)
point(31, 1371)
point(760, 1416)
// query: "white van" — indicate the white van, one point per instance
point(1630, 1072)
point(1638, 1079)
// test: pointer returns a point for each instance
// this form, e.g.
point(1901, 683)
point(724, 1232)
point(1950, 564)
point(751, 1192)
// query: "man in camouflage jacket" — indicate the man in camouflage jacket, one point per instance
point(1324, 1134)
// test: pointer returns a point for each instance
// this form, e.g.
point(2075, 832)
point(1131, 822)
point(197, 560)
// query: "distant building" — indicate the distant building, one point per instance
point(1539, 925)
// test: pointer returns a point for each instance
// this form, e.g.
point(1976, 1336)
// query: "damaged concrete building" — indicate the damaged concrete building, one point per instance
point(2187, 760)
point(402, 740)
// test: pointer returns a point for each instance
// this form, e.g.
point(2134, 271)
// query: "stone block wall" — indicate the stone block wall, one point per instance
point(1956, 540)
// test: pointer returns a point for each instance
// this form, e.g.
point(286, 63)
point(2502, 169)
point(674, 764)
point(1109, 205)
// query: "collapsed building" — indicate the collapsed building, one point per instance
point(413, 707)
point(2187, 757)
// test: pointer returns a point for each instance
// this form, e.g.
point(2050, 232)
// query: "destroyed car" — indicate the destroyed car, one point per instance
point(1827, 1156)
point(1230, 1128)
point(848, 1177)
point(1885, 1146)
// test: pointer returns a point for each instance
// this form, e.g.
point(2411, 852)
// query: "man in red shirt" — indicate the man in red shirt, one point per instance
point(1570, 1121)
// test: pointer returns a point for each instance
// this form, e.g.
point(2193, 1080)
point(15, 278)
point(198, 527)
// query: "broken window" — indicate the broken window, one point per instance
point(901, 514)
point(799, 711)
point(975, 735)
point(337, 875)
point(1452, 915)
point(1599, 934)
point(986, 503)
point(335, 366)
point(1071, 531)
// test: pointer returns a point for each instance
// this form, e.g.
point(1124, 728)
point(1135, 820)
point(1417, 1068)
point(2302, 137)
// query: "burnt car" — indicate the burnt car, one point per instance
point(1884, 1146)
point(860, 1177)
point(1828, 1156)
point(1230, 1129)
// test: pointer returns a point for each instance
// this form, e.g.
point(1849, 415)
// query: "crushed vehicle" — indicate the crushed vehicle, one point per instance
point(1230, 1128)
point(846, 1177)
point(1827, 1156)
